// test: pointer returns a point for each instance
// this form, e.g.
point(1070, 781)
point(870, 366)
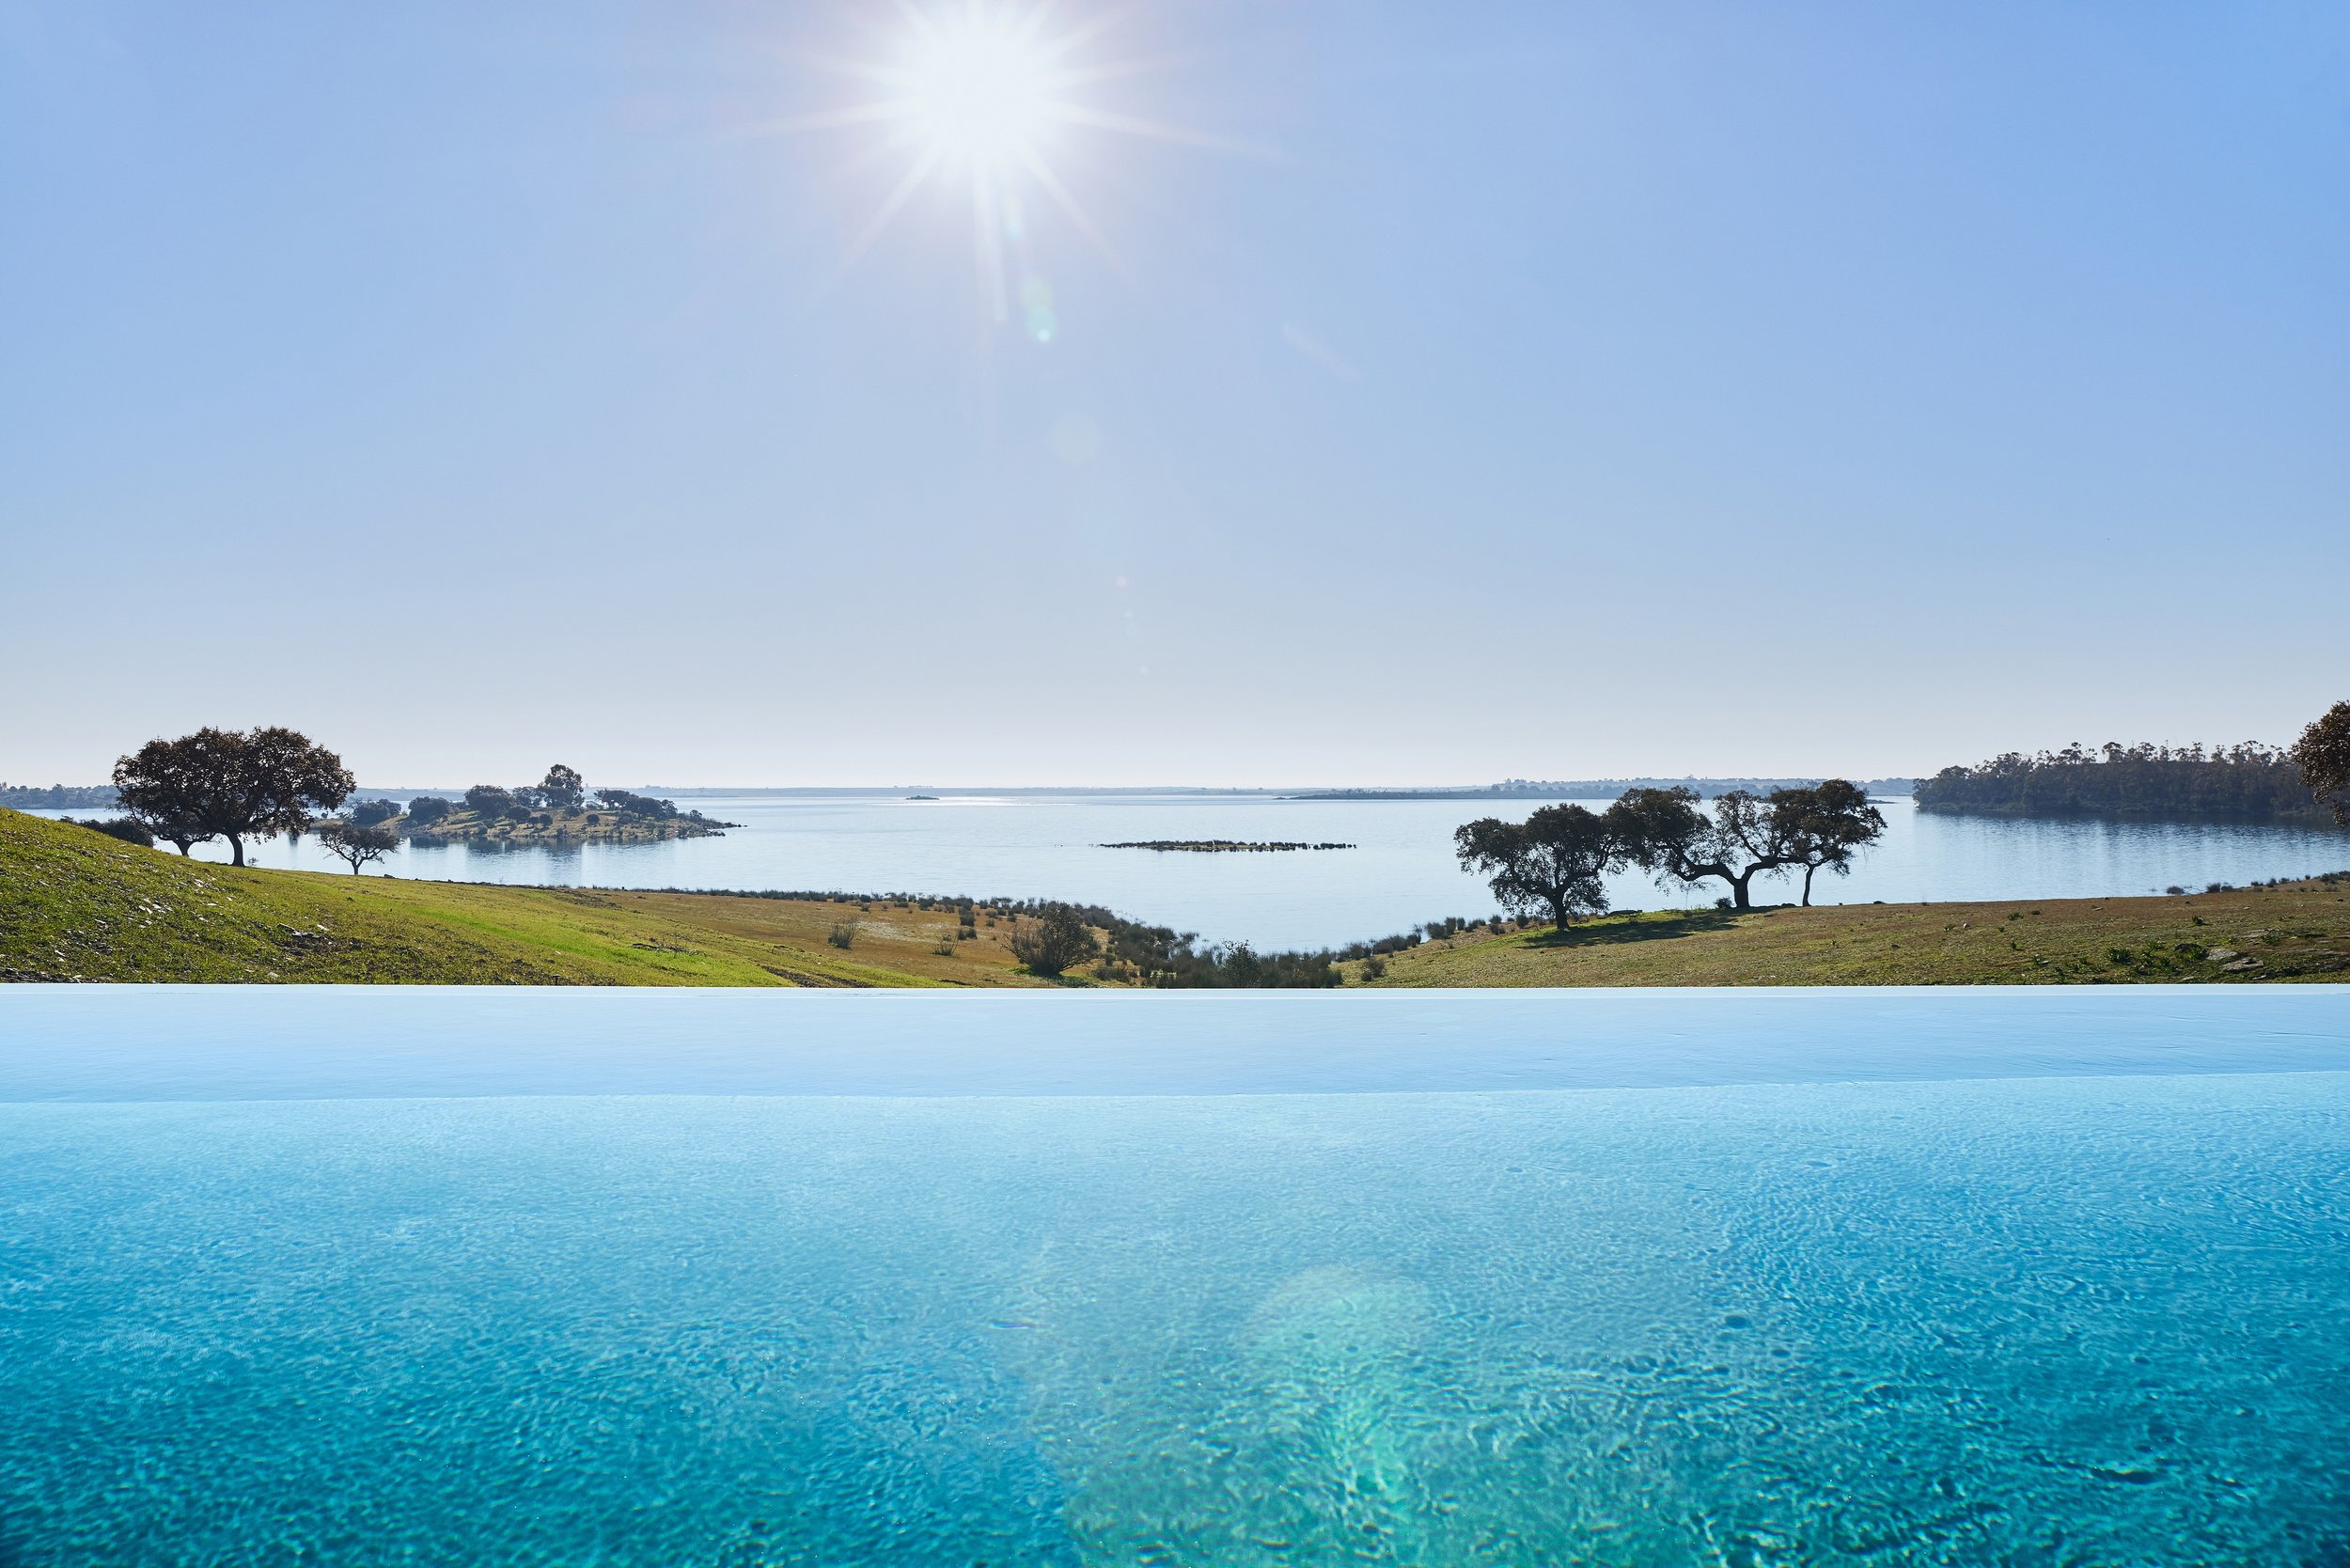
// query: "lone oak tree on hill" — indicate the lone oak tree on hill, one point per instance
point(230, 784)
point(1552, 861)
point(2324, 753)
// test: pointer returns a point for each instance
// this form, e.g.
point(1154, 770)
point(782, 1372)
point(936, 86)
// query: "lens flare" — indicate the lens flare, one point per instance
point(981, 94)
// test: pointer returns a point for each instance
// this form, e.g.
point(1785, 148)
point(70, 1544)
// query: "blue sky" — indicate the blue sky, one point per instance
point(1545, 390)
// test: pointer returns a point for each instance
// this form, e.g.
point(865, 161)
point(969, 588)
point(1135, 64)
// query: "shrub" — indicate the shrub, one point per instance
point(843, 935)
point(118, 827)
point(1374, 967)
point(1055, 941)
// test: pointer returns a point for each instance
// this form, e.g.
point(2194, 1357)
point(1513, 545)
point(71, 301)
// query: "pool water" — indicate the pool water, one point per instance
point(2079, 1318)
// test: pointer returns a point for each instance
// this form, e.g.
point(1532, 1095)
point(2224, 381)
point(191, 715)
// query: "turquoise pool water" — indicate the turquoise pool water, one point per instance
point(2040, 1309)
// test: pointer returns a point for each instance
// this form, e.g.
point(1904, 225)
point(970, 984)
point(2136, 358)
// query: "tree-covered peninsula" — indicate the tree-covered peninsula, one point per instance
point(2248, 783)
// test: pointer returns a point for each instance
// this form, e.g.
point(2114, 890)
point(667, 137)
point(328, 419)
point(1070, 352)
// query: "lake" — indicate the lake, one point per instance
point(424, 1277)
point(1400, 875)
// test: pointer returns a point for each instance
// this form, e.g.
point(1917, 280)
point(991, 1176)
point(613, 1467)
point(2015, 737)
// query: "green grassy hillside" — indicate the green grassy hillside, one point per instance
point(76, 904)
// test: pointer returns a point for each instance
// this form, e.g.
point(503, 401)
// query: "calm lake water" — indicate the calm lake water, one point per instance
point(424, 1277)
point(1402, 873)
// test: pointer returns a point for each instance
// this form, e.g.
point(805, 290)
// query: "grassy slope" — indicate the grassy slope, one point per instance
point(75, 904)
point(2301, 932)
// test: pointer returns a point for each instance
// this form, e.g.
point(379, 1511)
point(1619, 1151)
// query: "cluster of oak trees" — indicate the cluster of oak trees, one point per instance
point(562, 789)
point(1556, 861)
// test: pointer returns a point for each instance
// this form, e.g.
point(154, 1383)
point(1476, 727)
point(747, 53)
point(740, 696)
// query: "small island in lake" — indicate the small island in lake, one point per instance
point(559, 809)
point(1218, 846)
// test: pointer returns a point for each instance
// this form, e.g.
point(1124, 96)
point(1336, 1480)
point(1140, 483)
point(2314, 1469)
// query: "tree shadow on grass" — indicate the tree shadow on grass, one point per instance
point(1642, 928)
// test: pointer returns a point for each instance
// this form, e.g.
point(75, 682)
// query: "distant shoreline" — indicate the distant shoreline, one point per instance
point(99, 796)
point(1220, 846)
point(1602, 789)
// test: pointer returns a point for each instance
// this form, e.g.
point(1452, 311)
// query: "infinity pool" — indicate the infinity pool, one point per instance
point(2063, 1278)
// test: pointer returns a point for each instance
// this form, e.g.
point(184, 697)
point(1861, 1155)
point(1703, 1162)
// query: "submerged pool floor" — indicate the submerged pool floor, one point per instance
point(2043, 1320)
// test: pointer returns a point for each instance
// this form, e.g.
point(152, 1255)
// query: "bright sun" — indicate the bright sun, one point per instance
point(980, 93)
point(980, 89)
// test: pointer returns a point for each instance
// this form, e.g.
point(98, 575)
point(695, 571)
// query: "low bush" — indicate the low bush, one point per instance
point(1055, 941)
point(118, 827)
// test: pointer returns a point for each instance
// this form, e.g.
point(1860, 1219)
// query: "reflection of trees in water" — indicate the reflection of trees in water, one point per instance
point(554, 851)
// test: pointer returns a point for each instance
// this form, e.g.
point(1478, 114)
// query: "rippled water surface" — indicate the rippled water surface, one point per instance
point(2055, 1321)
point(1144, 1318)
point(1400, 874)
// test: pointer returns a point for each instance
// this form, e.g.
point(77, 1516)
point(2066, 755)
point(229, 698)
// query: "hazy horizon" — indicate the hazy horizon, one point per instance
point(1372, 396)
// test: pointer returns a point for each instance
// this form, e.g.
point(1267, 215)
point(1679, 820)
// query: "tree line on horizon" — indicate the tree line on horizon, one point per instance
point(2249, 782)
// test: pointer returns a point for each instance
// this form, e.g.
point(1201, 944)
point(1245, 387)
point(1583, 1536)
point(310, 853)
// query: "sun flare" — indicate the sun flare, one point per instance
point(980, 90)
point(982, 94)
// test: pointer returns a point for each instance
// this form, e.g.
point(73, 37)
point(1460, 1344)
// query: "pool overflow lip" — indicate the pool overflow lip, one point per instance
point(198, 1042)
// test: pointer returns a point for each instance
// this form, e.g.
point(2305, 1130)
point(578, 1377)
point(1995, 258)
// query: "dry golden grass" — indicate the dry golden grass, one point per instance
point(2296, 932)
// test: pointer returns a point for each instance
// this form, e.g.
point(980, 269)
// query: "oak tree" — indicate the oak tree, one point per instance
point(1662, 831)
point(230, 784)
point(357, 845)
point(563, 789)
point(2324, 753)
point(1554, 862)
point(1825, 825)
